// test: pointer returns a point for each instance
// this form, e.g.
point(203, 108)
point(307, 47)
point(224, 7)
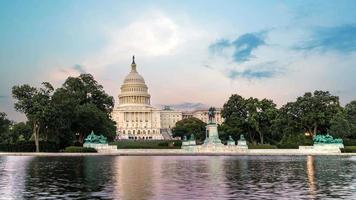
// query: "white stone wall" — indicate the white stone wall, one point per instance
point(169, 118)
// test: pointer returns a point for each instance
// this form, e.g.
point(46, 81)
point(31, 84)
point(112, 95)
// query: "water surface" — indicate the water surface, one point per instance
point(176, 178)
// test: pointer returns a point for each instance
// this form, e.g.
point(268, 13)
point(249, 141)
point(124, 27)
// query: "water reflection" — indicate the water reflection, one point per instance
point(135, 177)
point(311, 176)
point(141, 178)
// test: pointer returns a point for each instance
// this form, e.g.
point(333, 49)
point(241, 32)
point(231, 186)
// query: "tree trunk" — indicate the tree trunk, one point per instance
point(81, 138)
point(315, 129)
point(36, 134)
point(261, 136)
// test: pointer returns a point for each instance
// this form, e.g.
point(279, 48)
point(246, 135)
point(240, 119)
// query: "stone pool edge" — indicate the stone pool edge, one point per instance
point(170, 152)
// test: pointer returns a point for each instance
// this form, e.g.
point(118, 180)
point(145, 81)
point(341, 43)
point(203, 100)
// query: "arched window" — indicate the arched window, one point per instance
point(148, 131)
point(133, 131)
point(138, 132)
point(123, 131)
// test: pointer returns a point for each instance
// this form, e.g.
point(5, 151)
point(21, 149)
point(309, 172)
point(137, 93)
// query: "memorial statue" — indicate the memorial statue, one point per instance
point(185, 138)
point(94, 139)
point(192, 137)
point(211, 114)
point(242, 137)
point(230, 139)
point(326, 139)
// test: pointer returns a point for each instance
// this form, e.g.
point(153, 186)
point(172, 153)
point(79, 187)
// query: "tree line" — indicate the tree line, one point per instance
point(262, 122)
point(67, 114)
point(63, 115)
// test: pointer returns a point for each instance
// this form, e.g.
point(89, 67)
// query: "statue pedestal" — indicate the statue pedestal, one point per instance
point(101, 147)
point(213, 136)
point(242, 144)
point(328, 147)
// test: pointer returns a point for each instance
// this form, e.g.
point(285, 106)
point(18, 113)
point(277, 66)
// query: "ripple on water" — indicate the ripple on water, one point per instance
point(174, 177)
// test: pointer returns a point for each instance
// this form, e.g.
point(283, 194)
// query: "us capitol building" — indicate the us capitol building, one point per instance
point(135, 117)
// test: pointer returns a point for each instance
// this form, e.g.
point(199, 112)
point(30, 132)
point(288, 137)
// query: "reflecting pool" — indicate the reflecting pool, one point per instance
point(178, 177)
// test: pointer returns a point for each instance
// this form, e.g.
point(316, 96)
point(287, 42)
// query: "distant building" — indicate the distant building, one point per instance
point(203, 115)
point(135, 117)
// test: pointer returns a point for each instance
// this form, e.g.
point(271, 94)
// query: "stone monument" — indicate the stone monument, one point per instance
point(230, 141)
point(190, 142)
point(241, 143)
point(99, 143)
point(327, 143)
point(212, 136)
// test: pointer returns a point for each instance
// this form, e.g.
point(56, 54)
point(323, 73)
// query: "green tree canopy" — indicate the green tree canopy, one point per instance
point(339, 125)
point(79, 106)
point(4, 128)
point(84, 106)
point(350, 110)
point(189, 126)
point(35, 103)
point(251, 116)
point(21, 131)
point(314, 112)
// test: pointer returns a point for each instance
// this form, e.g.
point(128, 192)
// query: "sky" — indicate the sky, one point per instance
point(187, 51)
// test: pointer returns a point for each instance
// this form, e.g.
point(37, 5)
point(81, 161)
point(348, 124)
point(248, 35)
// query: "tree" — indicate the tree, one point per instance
point(261, 114)
point(90, 118)
point(35, 103)
point(82, 106)
point(4, 128)
point(285, 124)
point(21, 130)
point(340, 126)
point(250, 116)
point(350, 110)
point(313, 112)
point(234, 113)
point(189, 126)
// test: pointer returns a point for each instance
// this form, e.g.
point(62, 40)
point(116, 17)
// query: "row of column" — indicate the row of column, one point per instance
point(138, 116)
point(134, 99)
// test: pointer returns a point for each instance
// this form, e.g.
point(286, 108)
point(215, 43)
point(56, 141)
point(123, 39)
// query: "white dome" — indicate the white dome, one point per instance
point(134, 89)
point(134, 77)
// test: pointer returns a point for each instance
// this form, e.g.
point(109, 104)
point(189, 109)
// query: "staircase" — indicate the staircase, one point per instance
point(166, 133)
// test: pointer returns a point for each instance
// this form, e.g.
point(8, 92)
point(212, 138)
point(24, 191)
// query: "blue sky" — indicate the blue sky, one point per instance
point(187, 51)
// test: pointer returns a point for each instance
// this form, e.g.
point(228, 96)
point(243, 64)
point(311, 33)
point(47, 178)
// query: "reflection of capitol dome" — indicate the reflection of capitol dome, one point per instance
point(134, 90)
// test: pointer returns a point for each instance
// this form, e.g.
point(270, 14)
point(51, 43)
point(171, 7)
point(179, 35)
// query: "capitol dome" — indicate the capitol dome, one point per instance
point(134, 89)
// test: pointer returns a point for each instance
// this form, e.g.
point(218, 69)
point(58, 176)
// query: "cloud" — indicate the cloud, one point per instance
point(62, 73)
point(251, 74)
point(338, 38)
point(79, 68)
point(243, 46)
point(259, 71)
point(219, 46)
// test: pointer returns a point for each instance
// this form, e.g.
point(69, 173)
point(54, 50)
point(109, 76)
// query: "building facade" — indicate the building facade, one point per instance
point(136, 119)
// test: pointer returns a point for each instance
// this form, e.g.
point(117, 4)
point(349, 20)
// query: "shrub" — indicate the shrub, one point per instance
point(76, 149)
point(261, 146)
point(348, 149)
point(30, 147)
point(287, 146)
point(294, 141)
